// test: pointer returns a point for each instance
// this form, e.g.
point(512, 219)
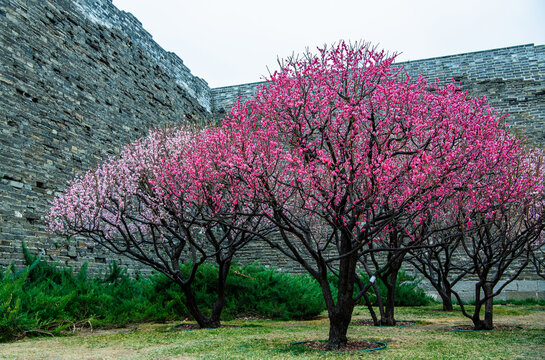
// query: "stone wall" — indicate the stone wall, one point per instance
point(512, 78)
point(224, 97)
point(78, 80)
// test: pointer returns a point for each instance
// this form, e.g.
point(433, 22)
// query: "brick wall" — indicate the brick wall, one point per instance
point(512, 78)
point(78, 80)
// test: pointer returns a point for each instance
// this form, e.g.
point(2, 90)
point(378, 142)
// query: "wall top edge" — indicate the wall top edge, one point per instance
point(239, 85)
point(530, 45)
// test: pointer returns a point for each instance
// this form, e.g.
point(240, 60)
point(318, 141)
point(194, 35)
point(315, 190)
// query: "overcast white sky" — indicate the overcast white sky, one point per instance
point(232, 42)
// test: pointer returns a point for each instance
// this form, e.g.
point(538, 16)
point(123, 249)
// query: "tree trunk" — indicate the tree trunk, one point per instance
point(380, 304)
point(447, 302)
point(338, 327)
point(388, 316)
point(479, 324)
point(488, 306)
point(487, 323)
point(340, 313)
point(192, 307)
point(217, 308)
point(445, 291)
point(395, 261)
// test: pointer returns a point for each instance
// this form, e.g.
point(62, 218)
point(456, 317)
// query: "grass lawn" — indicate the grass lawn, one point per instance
point(266, 339)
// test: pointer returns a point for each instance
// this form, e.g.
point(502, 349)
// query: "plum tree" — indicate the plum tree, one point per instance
point(133, 206)
point(342, 151)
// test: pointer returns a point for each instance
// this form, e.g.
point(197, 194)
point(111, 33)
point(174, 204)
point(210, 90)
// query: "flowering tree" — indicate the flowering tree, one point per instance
point(499, 221)
point(442, 263)
point(538, 260)
point(537, 255)
point(153, 204)
point(340, 149)
point(341, 154)
point(454, 168)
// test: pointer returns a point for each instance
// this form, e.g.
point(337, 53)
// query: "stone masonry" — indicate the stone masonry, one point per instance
point(79, 79)
point(512, 78)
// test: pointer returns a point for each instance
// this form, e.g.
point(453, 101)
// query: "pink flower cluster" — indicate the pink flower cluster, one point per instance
point(341, 140)
point(119, 195)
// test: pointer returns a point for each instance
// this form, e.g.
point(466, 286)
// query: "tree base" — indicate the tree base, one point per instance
point(399, 323)
point(355, 345)
point(471, 328)
point(195, 326)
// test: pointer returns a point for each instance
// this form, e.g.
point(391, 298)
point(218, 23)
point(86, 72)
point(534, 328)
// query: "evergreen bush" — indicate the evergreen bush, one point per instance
point(53, 299)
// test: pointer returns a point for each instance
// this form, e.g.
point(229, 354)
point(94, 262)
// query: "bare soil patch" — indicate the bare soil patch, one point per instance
point(350, 345)
point(191, 326)
point(496, 327)
point(370, 323)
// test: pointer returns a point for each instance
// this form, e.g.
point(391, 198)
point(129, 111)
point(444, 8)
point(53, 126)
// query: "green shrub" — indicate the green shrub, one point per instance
point(13, 321)
point(252, 289)
point(407, 291)
point(275, 295)
point(49, 298)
